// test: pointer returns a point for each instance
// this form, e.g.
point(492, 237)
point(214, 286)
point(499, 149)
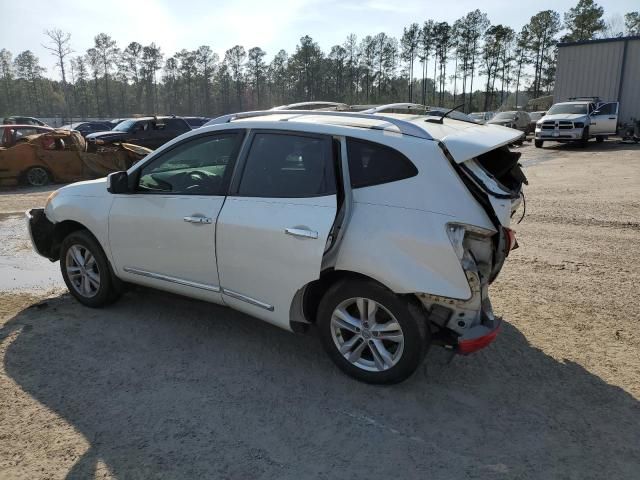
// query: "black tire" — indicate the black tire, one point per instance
point(584, 141)
point(600, 139)
point(108, 289)
point(413, 327)
point(37, 177)
point(539, 143)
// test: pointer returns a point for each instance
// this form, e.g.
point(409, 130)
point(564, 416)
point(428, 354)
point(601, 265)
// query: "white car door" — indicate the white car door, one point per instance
point(605, 119)
point(274, 225)
point(163, 233)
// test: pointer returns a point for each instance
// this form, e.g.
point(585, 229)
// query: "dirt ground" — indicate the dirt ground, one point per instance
point(158, 386)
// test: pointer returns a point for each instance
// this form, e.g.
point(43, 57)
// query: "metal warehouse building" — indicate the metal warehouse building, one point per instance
point(607, 68)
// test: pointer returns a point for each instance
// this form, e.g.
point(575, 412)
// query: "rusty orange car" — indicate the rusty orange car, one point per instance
point(60, 156)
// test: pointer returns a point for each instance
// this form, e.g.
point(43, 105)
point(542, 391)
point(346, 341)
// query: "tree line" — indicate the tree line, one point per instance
point(469, 62)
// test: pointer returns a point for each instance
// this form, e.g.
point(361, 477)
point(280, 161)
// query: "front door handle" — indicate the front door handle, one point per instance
point(198, 219)
point(301, 232)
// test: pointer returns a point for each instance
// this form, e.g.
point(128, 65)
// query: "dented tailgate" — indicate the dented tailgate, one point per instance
point(467, 143)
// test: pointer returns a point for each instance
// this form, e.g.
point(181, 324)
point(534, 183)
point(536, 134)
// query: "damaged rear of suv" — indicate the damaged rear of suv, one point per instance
point(384, 231)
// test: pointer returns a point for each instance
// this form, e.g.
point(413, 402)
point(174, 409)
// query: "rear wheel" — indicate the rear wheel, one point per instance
point(370, 333)
point(85, 269)
point(538, 143)
point(37, 177)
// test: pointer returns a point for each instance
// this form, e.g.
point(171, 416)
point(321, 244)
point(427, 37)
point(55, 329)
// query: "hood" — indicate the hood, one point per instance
point(478, 139)
point(86, 188)
point(108, 135)
point(565, 116)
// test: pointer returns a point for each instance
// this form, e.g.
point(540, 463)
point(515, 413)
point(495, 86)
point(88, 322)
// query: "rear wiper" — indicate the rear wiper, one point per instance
point(441, 118)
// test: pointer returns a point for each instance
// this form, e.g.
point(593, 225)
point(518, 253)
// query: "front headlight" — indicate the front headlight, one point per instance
point(539, 124)
point(578, 125)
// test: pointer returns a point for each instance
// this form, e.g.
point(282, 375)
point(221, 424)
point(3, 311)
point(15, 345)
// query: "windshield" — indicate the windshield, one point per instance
point(505, 116)
point(569, 108)
point(479, 116)
point(124, 126)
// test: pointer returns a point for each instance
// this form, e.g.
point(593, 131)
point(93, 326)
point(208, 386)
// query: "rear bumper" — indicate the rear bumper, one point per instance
point(479, 336)
point(40, 232)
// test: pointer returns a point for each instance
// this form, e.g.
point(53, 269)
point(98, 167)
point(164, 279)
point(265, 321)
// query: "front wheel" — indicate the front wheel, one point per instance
point(539, 143)
point(371, 333)
point(584, 141)
point(85, 269)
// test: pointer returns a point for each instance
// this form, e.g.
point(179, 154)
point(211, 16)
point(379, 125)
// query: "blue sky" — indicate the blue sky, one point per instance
point(270, 24)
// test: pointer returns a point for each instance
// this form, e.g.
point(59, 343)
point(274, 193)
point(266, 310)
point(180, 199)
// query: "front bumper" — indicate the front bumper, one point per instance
point(40, 232)
point(568, 134)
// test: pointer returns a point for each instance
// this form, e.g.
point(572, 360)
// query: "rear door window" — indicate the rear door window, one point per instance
point(374, 164)
point(288, 166)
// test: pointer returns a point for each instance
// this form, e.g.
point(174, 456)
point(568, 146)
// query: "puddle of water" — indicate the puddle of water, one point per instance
point(21, 268)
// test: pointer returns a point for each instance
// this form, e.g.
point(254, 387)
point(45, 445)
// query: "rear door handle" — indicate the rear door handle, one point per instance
point(301, 232)
point(198, 219)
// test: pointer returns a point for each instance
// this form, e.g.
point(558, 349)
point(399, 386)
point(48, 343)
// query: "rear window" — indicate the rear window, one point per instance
point(374, 164)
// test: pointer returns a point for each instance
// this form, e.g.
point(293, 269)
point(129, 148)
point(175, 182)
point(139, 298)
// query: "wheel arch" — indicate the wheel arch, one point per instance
point(61, 230)
point(313, 292)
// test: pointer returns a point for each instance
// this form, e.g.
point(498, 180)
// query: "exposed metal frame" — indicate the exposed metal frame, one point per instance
point(404, 127)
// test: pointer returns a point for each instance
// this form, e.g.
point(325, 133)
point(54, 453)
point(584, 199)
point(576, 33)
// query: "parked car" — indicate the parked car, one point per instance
point(455, 114)
point(114, 122)
point(513, 119)
point(578, 121)
point(196, 122)
point(383, 230)
point(12, 134)
point(18, 120)
point(534, 117)
point(482, 117)
point(60, 156)
point(150, 132)
point(85, 128)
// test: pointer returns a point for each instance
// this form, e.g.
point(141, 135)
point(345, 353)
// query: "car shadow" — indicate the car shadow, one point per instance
point(165, 387)
point(610, 145)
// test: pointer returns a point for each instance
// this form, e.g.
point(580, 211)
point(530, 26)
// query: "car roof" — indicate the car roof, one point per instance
point(463, 139)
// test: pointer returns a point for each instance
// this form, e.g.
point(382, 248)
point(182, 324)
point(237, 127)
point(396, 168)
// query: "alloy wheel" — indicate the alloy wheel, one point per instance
point(367, 334)
point(37, 177)
point(82, 270)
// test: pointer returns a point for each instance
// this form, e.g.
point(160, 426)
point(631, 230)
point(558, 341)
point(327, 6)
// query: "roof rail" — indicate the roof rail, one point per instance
point(396, 106)
point(295, 106)
point(405, 127)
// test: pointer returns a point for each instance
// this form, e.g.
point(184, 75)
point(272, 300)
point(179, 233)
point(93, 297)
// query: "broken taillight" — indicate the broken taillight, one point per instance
point(510, 235)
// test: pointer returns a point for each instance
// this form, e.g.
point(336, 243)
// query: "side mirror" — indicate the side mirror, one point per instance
point(118, 182)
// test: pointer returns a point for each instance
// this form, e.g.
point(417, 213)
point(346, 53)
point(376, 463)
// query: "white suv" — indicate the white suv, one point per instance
point(578, 121)
point(384, 231)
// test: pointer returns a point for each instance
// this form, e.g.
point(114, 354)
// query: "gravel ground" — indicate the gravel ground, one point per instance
point(159, 386)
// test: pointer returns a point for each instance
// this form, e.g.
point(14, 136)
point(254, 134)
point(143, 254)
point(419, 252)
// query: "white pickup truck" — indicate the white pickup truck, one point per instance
point(577, 121)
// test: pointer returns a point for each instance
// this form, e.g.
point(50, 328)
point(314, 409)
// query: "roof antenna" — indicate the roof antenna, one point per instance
point(441, 119)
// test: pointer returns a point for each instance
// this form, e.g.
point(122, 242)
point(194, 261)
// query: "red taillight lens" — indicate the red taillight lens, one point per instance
point(512, 243)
